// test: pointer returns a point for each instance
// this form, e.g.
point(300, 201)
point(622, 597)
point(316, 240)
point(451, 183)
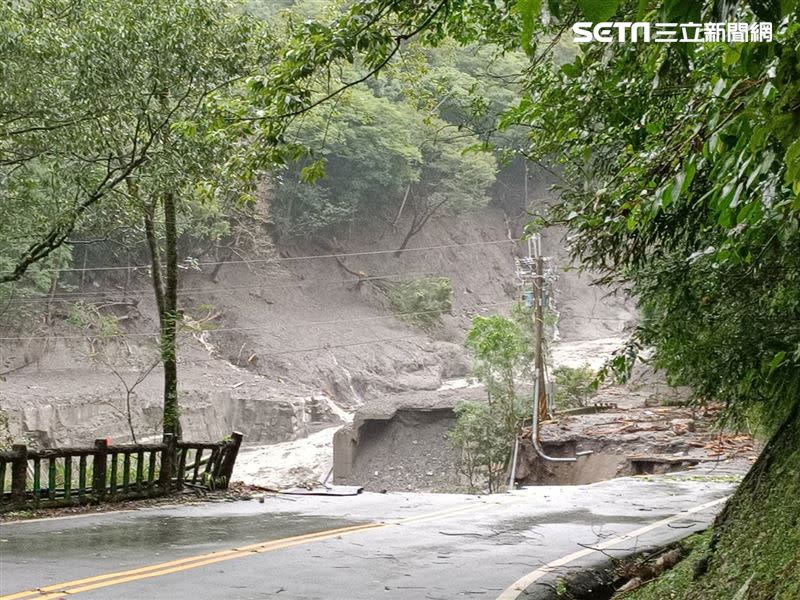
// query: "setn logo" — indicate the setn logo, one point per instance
point(627, 31)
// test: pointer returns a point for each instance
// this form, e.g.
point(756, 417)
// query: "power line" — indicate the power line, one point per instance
point(117, 295)
point(281, 259)
point(250, 329)
point(114, 295)
point(278, 353)
point(306, 324)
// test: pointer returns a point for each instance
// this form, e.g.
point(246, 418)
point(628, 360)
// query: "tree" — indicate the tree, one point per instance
point(377, 159)
point(120, 112)
point(502, 356)
point(485, 433)
point(483, 442)
point(365, 135)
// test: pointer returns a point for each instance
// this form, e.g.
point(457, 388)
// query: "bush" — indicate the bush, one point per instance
point(479, 433)
point(421, 301)
point(574, 386)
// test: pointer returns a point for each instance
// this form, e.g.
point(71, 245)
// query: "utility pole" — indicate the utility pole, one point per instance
point(540, 385)
point(531, 268)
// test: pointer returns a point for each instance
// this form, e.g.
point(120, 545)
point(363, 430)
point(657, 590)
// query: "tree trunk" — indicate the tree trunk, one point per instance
point(166, 293)
point(169, 321)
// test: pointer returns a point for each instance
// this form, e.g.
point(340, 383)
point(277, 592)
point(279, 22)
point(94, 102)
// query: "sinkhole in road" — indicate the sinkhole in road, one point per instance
point(408, 450)
point(601, 465)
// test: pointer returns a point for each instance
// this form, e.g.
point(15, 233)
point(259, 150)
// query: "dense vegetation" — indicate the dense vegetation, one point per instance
point(401, 148)
point(122, 144)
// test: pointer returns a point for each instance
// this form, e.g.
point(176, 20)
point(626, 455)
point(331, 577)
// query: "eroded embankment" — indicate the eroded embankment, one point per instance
point(279, 348)
point(406, 446)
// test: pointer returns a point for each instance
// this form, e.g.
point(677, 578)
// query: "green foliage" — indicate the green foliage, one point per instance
point(561, 587)
point(368, 136)
point(481, 437)
point(529, 13)
point(405, 145)
point(574, 386)
point(375, 153)
point(87, 317)
point(685, 187)
point(98, 102)
point(502, 354)
point(598, 10)
point(421, 301)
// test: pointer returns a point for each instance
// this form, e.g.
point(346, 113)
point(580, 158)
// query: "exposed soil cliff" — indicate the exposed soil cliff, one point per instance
point(294, 340)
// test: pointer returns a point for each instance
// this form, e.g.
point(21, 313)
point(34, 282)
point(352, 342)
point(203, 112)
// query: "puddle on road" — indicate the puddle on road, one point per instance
point(579, 516)
point(157, 533)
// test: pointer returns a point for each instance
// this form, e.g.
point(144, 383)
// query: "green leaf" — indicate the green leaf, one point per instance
point(598, 10)
point(571, 69)
point(313, 172)
point(793, 163)
point(529, 11)
point(776, 361)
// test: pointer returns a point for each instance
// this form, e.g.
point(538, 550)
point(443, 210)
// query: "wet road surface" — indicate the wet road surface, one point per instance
point(393, 546)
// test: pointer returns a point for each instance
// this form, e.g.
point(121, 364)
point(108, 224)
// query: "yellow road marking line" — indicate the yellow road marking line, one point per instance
point(516, 589)
point(192, 562)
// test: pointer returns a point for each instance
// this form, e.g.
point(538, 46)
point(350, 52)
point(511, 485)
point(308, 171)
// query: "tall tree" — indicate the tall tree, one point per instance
point(126, 111)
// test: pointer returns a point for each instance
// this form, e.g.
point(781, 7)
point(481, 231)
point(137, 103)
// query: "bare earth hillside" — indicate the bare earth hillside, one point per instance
point(294, 340)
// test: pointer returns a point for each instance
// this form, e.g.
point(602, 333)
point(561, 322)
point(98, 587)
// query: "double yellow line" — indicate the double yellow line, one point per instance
point(77, 586)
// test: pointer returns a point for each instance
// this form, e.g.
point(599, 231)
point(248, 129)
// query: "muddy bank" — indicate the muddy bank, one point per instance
point(401, 443)
point(288, 344)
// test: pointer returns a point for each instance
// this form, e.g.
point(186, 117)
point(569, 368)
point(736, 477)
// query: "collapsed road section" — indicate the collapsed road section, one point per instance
point(404, 446)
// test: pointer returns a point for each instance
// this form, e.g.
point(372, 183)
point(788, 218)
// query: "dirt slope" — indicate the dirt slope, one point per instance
point(295, 340)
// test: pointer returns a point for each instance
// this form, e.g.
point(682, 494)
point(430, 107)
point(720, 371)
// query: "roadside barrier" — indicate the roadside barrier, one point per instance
point(104, 472)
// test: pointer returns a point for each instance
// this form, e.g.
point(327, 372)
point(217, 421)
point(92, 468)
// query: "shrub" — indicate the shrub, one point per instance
point(574, 386)
point(421, 301)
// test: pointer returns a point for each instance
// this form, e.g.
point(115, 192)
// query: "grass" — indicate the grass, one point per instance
point(756, 549)
point(675, 583)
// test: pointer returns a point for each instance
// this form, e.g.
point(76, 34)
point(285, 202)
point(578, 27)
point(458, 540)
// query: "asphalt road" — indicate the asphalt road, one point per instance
point(393, 546)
